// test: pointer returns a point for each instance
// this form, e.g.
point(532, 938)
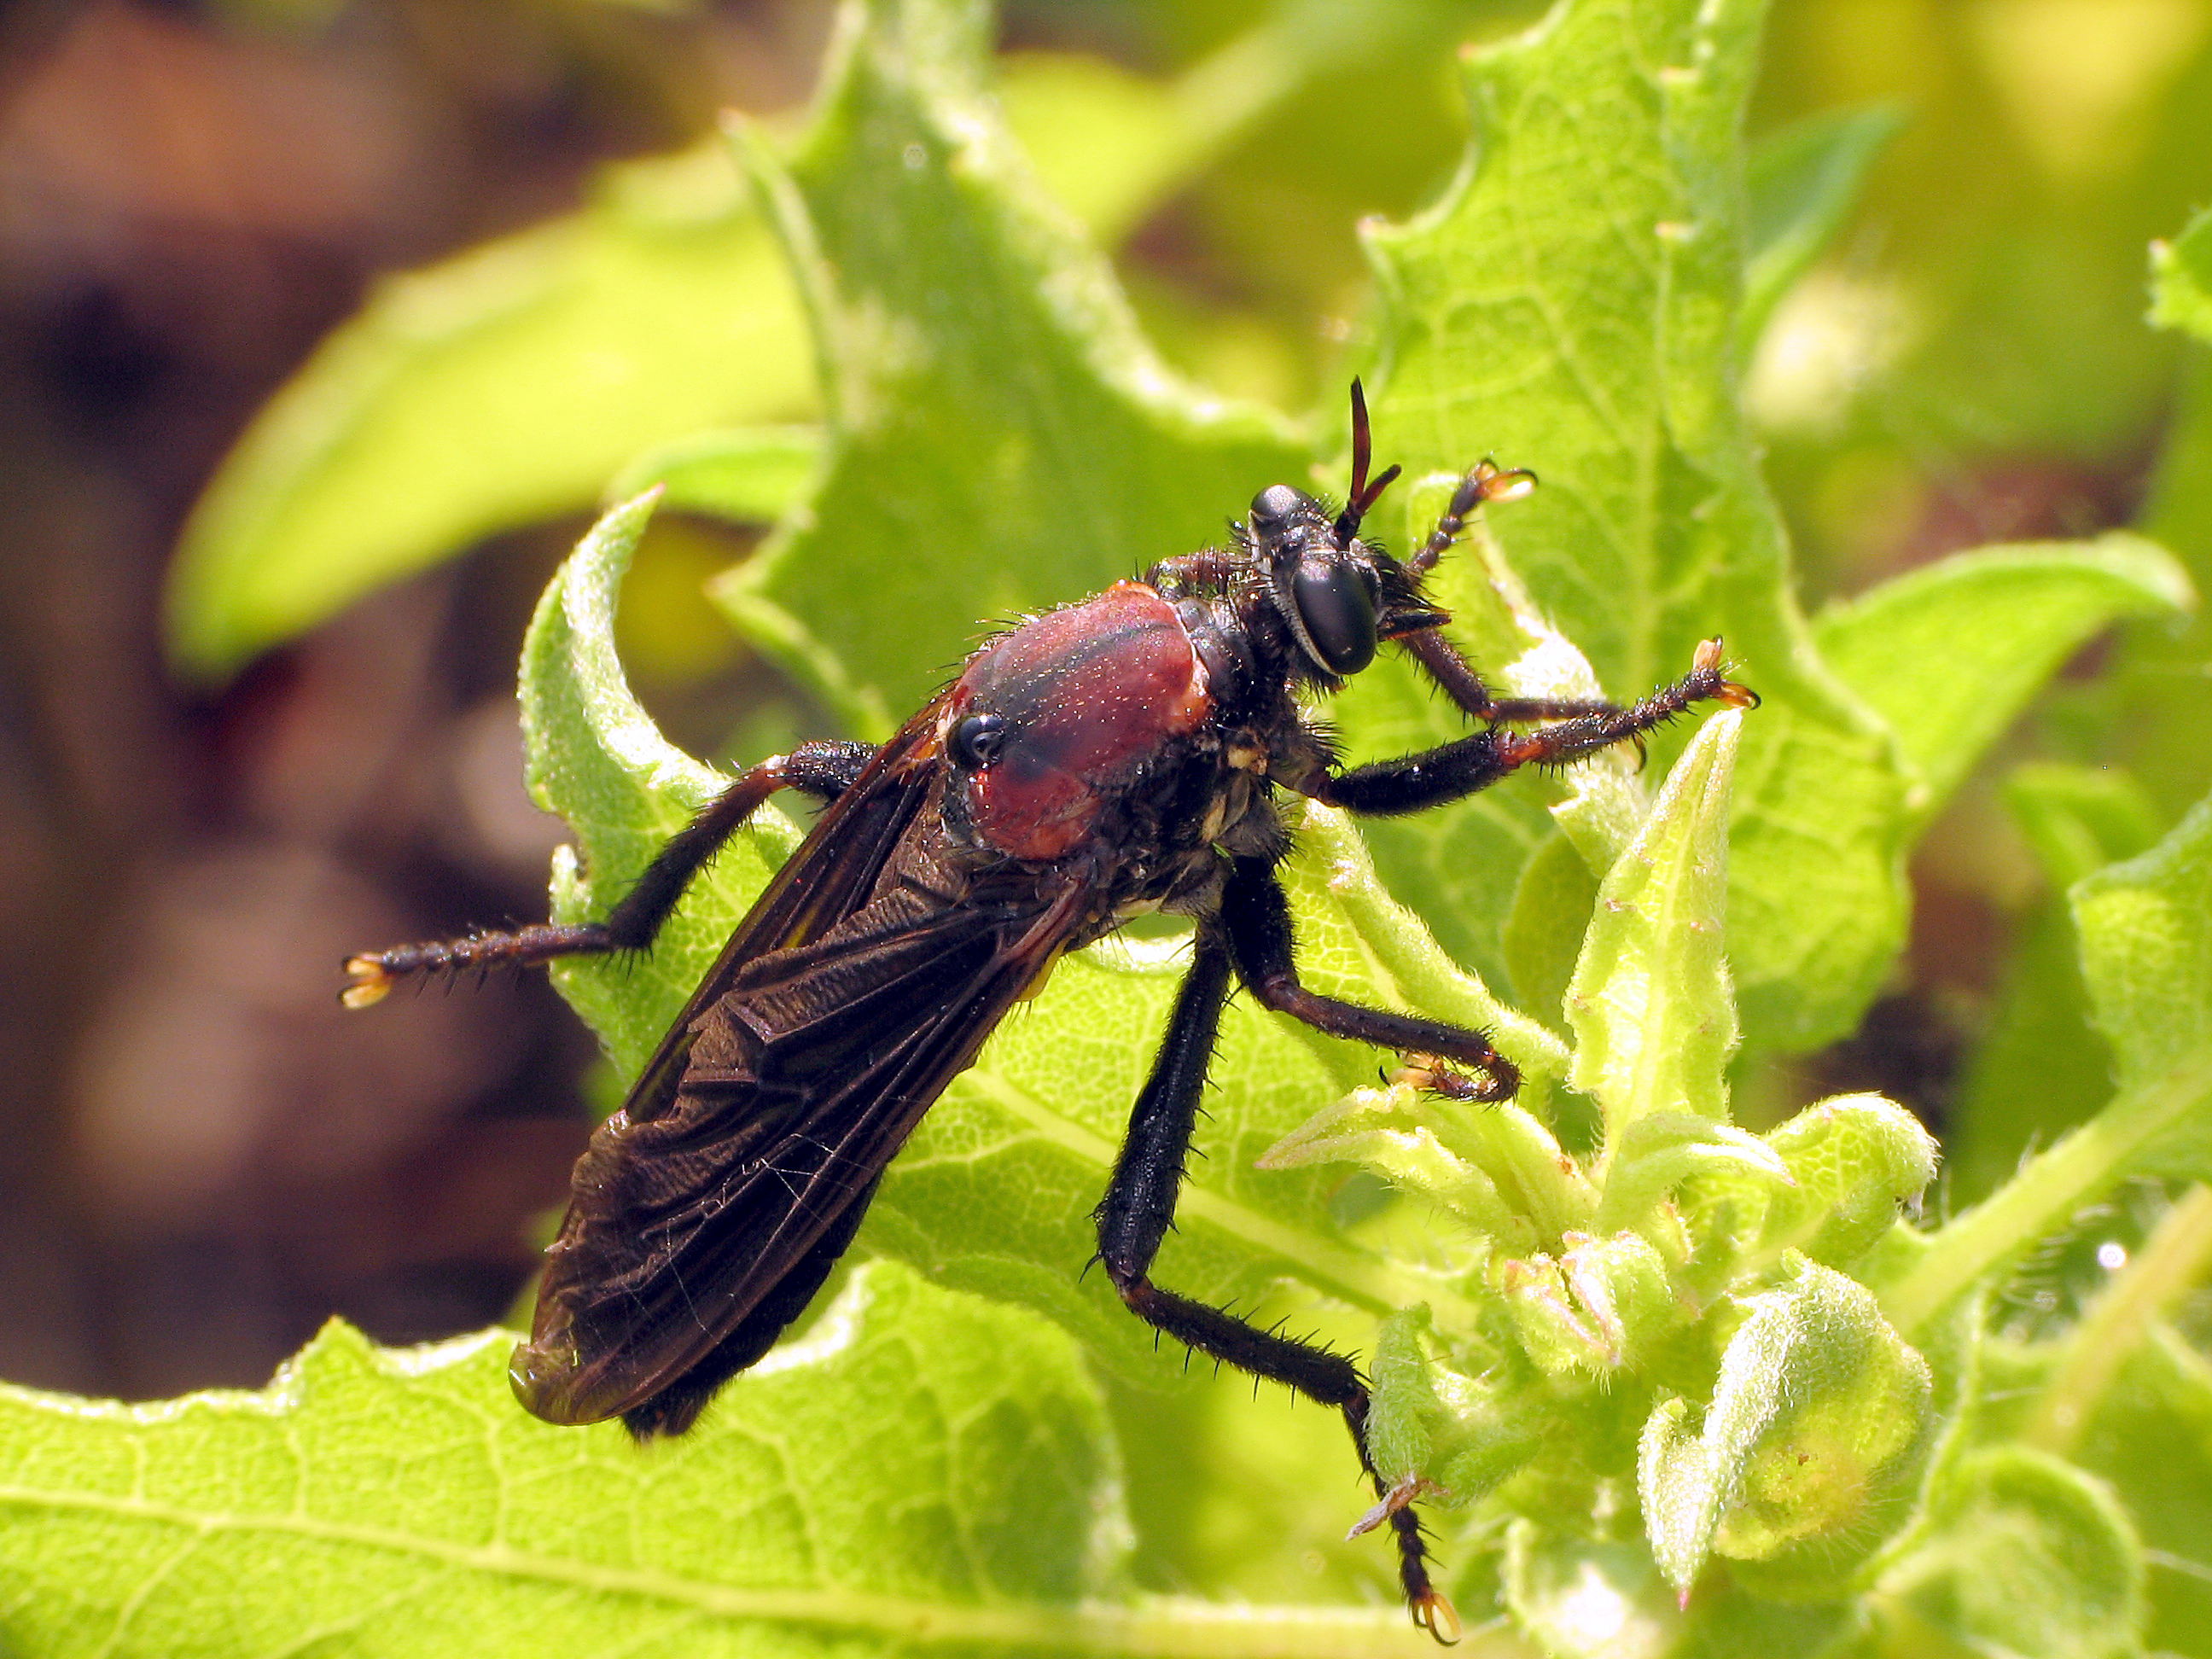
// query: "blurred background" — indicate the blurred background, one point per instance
point(200, 1159)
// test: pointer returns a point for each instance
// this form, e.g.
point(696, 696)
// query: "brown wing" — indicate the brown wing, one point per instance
point(830, 876)
point(700, 1227)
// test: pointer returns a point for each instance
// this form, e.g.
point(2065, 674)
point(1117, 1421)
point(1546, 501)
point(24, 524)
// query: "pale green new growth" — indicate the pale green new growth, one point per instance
point(1649, 1003)
point(2183, 274)
point(1811, 1439)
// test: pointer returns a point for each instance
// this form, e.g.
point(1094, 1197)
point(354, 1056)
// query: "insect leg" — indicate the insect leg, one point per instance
point(1139, 1208)
point(1455, 770)
point(1484, 481)
point(823, 771)
point(1456, 679)
point(1257, 918)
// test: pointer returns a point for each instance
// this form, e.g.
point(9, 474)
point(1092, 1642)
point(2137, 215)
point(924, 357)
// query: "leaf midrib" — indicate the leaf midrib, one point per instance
point(1165, 1626)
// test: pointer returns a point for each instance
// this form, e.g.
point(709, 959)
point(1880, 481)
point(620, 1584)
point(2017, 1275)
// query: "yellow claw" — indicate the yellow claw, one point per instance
point(1435, 1613)
point(1708, 660)
point(370, 983)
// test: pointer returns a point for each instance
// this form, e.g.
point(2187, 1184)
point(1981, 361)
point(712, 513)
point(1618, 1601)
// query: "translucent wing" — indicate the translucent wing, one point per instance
point(706, 1214)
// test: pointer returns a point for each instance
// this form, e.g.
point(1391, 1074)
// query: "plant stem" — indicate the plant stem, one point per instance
point(2038, 1201)
point(2170, 1262)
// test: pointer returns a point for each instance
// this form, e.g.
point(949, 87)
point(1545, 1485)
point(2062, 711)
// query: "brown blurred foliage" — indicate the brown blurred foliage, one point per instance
point(199, 1158)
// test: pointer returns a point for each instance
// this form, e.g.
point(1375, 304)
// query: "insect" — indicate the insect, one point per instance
point(1121, 755)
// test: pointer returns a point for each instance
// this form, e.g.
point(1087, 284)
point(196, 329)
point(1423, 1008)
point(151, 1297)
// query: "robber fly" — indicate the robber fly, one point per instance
point(1122, 755)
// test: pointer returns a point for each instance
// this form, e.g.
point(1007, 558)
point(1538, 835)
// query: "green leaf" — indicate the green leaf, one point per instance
point(1622, 1280)
point(2041, 1067)
point(1801, 182)
point(1848, 1162)
point(750, 475)
point(1649, 1003)
point(2159, 676)
point(1817, 900)
point(2029, 1556)
point(1111, 147)
point(2078, 819)
point(1950, 654)
point(1571, 306)
point(1499, 1171)
point(1550, 1325)
point(1682, 1490)
point(2146, 931)
point(930, 263)
point(596, 758)
point(1726, 1623)
point(2151, 1438)
point(1587, 1599)
point(1804, 1456)
point(1405, 1414)
point(1542, 935)
point(1658, 1152)
point(400, 1503)
point(1597, 1307)
point(503, 386)
point(2181, 279)
point(1852, 1160)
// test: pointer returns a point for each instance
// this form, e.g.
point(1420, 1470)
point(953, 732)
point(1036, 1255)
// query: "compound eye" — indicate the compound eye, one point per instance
point(1337, 604)
point(974, 741)
point(1275, 503)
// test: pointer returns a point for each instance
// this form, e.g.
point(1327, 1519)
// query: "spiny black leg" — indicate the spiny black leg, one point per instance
point(1455, 770)
point(1140, 1207)
point(1486, 481)
point(1414, 783)
point(1456, 679)
point(1139, 1204)
point(1257, 920)
point(823, 771)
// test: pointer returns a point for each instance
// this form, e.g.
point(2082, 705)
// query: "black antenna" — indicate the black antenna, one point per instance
point(1362, 451)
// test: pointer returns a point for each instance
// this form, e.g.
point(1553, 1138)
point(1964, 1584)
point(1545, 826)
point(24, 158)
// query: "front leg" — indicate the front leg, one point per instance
point(823, 771)
point(1455, 770)
point(1137, 1211)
